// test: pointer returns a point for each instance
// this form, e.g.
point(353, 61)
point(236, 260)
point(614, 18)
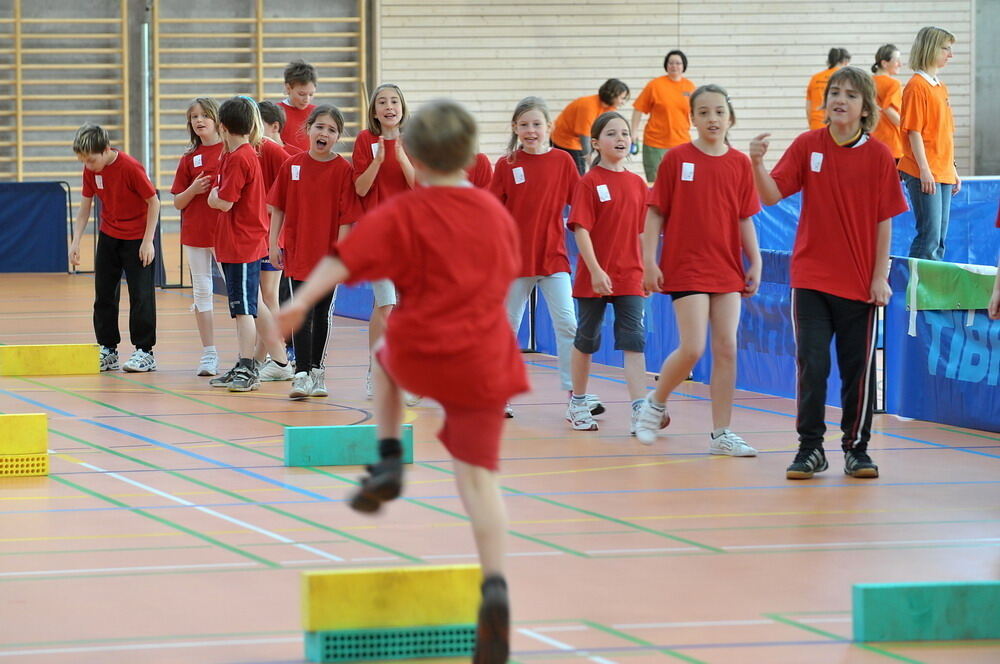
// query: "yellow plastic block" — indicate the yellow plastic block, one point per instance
point(24, 433)
point(49, 360)
point(390, 597)
point(24, 465)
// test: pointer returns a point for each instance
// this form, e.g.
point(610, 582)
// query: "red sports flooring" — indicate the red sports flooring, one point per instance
point(170, 531)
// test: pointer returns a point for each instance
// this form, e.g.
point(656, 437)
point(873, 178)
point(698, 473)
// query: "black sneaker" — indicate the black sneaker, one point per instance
point(383, 483)
point(859, 464)
point(493, 627)
point(808, 461)
point(225, 379)
point(245, 378)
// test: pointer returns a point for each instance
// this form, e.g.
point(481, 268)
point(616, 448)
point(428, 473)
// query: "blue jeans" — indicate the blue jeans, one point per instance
point(932, 212)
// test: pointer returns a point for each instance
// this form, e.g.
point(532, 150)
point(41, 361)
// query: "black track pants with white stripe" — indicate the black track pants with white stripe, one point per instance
point(819, 317)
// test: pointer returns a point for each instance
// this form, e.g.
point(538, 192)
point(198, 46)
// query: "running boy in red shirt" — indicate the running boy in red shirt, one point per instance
point(129, 213)
point(453, 256)
point(840, 262)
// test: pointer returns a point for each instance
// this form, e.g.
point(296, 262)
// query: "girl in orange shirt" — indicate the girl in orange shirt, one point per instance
point(815, 113)
point(928, 162)
point(889, 95)
point(571, 131)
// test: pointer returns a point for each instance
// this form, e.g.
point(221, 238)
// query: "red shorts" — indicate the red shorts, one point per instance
point(473, 435)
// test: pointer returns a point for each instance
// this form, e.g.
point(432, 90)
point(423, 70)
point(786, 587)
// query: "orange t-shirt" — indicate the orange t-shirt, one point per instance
point(926, 110)
point(575, 121)
point(667, 103)
point(814, 95)
point(889, 94)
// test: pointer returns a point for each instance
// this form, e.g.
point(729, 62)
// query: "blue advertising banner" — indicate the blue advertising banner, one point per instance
point(33, 236)
point(949, 372)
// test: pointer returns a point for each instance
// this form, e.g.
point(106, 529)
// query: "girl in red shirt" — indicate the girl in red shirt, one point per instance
point(192, 181)
point(703, 201)
point(450, 248)
point(312, 225)
point(381, 170)
point(535, 183)
point(606, 217)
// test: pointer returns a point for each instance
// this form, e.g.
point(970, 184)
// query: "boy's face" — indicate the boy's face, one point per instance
point(96, 161)
point(844, 104)
point(300, 95)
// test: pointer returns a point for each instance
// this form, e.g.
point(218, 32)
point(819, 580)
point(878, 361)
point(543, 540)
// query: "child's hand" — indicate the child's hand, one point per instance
point(201, 184)
point(752, 281)
point(74, 254)
point(601, 283)
point(994, 308)
point(758, 148)
point(276, 256)
point(146, 252)
point(290, 318)
point(880, 292)
point(380, 154)
point(652, 280)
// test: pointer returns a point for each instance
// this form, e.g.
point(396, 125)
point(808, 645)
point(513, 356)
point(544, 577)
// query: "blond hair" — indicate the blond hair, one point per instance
point(91, 139)
point(926, 45)
point(863, 83)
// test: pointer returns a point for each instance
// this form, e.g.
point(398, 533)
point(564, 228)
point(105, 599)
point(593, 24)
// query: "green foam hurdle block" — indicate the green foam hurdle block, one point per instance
point(353, 445)
point(957, 611)
point(390, 643)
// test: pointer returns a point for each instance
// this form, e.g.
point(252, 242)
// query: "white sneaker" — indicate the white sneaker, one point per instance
point(272, 371)
point(209, 365)
point(593, 403)
point(109, 359)
point(140, 362)
point(579, 416)
point(318, 388)
point(508, 411)
point(411, 399)
point(634, 420)
point(650, 419)
point(301, 386)
point(730, 444)
point(369, 390)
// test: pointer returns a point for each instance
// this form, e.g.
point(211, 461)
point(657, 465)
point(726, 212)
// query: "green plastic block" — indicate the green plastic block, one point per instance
point(956, 611)
point(353, 445)
point(391, 643)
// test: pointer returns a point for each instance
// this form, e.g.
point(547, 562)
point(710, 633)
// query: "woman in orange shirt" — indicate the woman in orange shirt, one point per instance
point(889, 94)
point(927, 125)
point(571, 131)
point(665, 100)
point(815, 113)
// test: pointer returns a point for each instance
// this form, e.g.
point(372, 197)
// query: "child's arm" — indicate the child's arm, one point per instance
point(79, 226)
point(146, 251)
point(652, 279)
point(880, 291)
point(365, 181)
point(199, 185)
point(329, 272)
point(342, 233)
point(892, 114)
point(766, 186)
point(927, 184)
point(274, 251)
point(404, 164)
point(636, 119)
point(217, 203)
point(748, 236)
point(994, 308)
point(599, 279)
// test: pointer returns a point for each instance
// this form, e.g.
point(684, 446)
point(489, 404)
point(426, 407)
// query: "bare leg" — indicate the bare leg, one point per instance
point(724, 317)
point(246, 335)
point(635, 374)
point(580, 369)
point(692, 322)
point(206, 327)
point(480, 495)
point(376, 326)
point(388, 404)
point(269, 341)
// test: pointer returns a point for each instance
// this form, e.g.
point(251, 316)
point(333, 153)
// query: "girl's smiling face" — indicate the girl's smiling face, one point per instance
point(532, 130)
point(323, 135)
point(388, 108)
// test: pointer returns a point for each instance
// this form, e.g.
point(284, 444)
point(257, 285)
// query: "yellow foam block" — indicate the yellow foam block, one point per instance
point(24, 433)
point(390, 597)
point(49, 359)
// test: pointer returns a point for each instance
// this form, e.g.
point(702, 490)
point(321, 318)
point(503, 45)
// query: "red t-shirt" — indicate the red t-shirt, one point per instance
point(271, 156)
point(317, 198)
point(612, 207)
point(390, 179)
point(535, 189)
point(702, 199)
point(294, 131)
point(846, 192)
point(123, 189)
point(480, 172)
point(197, 219)
point(452, 254)
point(241, 232)
point(292, 149)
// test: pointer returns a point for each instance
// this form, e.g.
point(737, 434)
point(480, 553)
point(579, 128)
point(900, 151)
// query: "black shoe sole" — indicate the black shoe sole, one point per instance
point(493, 630)
point(376, 490)
point(598, 409)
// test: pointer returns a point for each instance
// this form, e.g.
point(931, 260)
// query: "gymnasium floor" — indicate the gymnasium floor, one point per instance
point(170, 531)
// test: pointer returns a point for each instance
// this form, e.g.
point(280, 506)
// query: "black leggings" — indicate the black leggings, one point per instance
point(313, 338)
point(113, 257)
